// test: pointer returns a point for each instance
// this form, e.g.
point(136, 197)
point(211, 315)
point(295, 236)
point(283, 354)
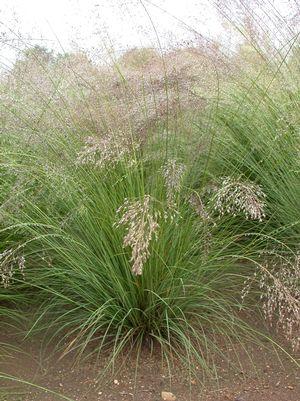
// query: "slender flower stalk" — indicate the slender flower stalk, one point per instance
point(173, 175)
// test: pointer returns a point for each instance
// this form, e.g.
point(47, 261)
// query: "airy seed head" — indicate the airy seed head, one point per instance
point(235, 196)
point(141, 225)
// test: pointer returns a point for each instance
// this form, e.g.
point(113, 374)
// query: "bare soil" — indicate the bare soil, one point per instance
point(260, 375)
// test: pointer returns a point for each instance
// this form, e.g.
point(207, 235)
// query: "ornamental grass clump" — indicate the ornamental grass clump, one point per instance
point(131, 233)
point(121, 274)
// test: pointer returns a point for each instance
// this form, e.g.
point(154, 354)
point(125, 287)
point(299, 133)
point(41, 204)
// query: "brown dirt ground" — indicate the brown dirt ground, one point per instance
point(262, 375)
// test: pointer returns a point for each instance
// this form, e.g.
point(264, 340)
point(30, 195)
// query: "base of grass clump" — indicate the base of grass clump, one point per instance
point(142, 372)
point(91, 300)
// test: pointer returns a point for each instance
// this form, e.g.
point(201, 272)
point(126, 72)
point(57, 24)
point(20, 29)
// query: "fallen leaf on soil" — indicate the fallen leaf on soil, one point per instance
point(167, 396)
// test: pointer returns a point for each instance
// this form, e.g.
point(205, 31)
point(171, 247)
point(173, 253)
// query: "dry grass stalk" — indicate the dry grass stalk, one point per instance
point(199, 207)
point(207, 221)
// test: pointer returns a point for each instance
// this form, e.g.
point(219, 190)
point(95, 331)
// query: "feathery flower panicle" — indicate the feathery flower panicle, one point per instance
point(173, 174)
point(8, 261)
point(141, 225)
point(279, 282)
point(235, 196)
point(106, 150)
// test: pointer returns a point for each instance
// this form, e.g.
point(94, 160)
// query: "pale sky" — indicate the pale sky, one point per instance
point(64, 25)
